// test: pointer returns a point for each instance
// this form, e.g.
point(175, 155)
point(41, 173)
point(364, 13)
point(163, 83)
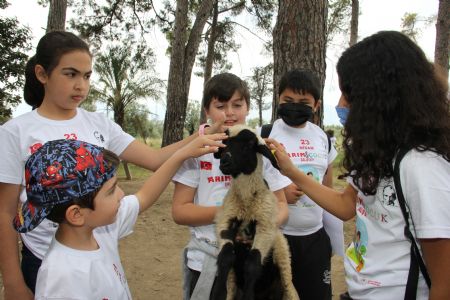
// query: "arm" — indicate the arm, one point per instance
point(13, 282)
point(292, 193)
point(185, 212)
point(340, 204)
point(142, 155)
point(283, 211)
point(435, 254)
point(328, 177)
point(157, 183)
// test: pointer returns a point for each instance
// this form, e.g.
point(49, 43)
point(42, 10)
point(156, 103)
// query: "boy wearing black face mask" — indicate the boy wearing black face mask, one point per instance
point(308, 147)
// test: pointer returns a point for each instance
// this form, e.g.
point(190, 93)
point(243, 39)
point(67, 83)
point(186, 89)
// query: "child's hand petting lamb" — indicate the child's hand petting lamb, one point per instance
point(285, 164)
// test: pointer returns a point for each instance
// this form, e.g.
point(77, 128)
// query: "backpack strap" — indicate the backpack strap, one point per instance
point(416, 259)
point(329, 143)
point(265, 130)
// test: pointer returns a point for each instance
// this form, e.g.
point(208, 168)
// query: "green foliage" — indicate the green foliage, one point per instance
point(260, 10)
point(14, 43)
point(261, 87)
point(112, 20)
point(138, 124)
point(254, 122)
point(192, 120)
point(126, 75)
point(339, 16)
point(409, 26)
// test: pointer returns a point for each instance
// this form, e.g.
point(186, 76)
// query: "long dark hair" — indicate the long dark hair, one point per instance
point(396, 100)
point(49, 50)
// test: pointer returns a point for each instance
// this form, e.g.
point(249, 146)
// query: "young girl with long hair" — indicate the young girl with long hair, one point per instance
point(392, 99)
point(57, 82)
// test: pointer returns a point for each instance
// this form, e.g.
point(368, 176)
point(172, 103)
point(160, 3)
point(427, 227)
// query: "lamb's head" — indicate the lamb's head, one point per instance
point(240, 154)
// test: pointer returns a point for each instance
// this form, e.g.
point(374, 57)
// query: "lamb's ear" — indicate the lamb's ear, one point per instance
point(264, 150)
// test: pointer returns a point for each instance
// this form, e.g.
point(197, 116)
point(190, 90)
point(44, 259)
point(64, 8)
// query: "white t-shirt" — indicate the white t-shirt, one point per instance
point(68, 273)
point(203, 173)
point(377, 261)
point(22, 135)
point(308, 149)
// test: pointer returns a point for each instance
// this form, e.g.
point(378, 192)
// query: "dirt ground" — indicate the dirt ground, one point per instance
point(151, 256)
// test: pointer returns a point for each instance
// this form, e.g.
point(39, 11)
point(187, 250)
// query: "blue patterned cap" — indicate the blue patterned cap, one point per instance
point(58, 172)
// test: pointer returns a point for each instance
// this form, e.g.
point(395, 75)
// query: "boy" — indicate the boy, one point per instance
point(309, 149)
point(73, 183)
point(200, 187)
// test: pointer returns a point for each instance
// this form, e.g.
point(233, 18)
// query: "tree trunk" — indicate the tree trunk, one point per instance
point(210, 55)
point(127, 170)
point(442, 46)
point(354, 22)
point(57, 15)
point(182, 60)
point(299, 41)
point(119, 118)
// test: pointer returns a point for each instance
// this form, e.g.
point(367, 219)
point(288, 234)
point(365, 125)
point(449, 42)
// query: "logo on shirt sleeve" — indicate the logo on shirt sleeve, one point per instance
point(205, 165)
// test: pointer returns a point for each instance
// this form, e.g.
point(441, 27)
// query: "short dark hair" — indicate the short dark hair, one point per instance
point(223, 86)
point(301, 81)
point(51, 47)
point(58, 212)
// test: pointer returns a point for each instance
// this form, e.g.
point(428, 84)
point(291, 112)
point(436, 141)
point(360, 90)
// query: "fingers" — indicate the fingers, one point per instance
point(215, 136)
point(218, 125)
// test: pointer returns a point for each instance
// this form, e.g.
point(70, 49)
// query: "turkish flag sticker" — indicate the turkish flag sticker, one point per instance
point(205, 165)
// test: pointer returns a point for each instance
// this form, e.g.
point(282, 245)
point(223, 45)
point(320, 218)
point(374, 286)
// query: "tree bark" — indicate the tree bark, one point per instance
point(184, 49)
point(354, 22)
point(57, 15)
point(299, 41)
point(209, 63)
point(442, 46)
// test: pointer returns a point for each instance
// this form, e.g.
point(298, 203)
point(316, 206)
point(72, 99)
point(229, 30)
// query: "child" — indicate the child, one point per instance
point(312, 153)
point(395, 101)
point(57, 81)
point(200, 187)
point(82, 196)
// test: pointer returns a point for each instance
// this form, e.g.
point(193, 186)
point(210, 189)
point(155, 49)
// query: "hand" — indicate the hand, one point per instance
point(292, 193)
point(203, 145)
point(284, 161)
point(218, 126)
point(22, 292)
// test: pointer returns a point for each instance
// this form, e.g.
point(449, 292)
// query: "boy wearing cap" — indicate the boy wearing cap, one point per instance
point(73, 183)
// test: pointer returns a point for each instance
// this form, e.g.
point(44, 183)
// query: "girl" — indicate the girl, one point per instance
point(200, 187)
point(394, 101)
point(57, 82)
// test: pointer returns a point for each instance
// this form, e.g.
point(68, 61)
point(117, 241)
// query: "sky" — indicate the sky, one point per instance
point(375, 15)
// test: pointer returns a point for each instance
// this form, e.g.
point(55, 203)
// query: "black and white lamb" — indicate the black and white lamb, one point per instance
point(254, 257)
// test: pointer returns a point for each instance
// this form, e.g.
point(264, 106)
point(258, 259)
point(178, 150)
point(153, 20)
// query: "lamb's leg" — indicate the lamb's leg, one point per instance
point(252, 271)
point(225, 261)
point(264, 237)
point(226, 257)
point(282, 259)
point(231, 285)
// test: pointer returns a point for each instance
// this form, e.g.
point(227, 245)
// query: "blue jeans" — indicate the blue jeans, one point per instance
point(30, 267)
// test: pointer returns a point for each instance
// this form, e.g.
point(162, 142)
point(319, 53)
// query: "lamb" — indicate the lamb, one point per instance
point(262, 269)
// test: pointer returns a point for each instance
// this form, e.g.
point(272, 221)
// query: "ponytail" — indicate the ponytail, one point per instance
point(33, 91)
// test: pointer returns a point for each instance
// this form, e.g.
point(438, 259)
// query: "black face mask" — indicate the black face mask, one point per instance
point(295, 114)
